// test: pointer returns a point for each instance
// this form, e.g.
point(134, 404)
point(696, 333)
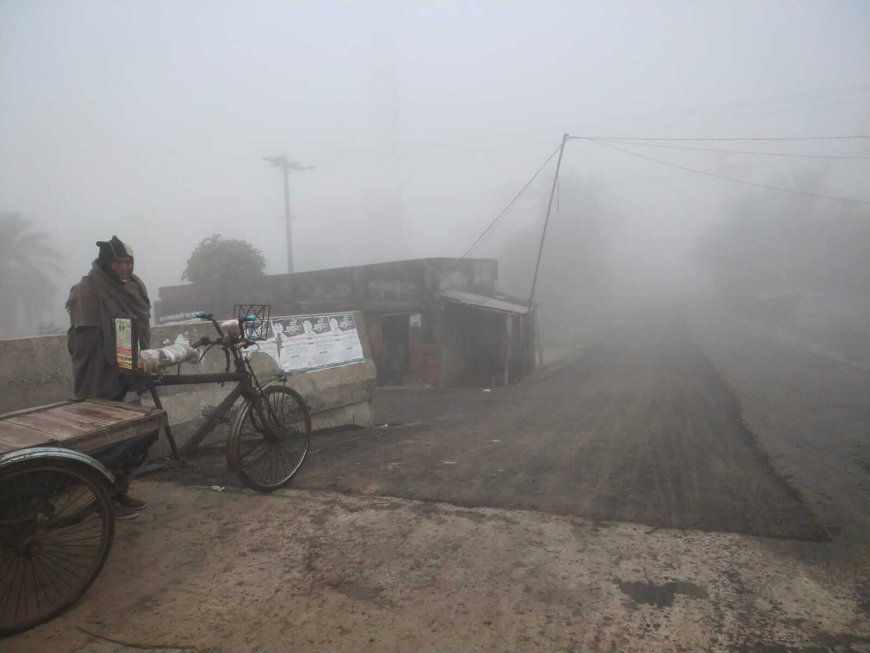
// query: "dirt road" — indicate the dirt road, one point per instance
point(642, 428)
point(810, 413)
point(616, 504)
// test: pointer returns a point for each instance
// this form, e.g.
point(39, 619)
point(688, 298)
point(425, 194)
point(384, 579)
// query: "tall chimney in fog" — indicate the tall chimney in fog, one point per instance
point(384, 197)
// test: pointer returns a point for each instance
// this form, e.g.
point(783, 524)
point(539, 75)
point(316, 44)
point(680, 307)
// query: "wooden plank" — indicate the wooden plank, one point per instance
point(7, 447)
point(14, 437)
point(24, 411)
point(70, 415)
point(52, 425)
point(155, 420)
point(86, 443)
point(80, 425)
point(13, 431)
point(89, 412)
point(96, 440)
point(106, 413)
point(106, 403)
point(99, 413)
point(77, 413)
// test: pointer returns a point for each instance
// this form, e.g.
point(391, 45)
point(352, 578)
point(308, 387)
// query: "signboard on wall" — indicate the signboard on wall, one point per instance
point(302, 343)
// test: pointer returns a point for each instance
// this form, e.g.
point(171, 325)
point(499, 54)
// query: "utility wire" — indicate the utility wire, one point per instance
point(818, 94)
point(717, 176)
point(605, 142)
point(510, 205)
point(709, 149)
point(766, 138)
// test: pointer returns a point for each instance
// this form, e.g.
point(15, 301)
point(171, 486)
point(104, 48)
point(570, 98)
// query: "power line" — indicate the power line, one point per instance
point(745, 104)
point(717, 176)
point(756, 138)
point(604, 141)
point(510, 204)
point(706, 149)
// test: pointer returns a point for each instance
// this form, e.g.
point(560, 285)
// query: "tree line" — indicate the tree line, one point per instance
point(30, 266)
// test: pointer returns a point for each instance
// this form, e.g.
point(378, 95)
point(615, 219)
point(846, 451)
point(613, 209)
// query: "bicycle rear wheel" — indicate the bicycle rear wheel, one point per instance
point(270, 439)
point(56, 531)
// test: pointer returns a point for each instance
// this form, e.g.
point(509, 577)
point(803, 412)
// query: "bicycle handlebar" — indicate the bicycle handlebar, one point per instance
point(226, 339)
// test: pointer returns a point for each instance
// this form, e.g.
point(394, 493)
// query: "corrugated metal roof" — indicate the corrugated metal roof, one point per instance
point(491, 303)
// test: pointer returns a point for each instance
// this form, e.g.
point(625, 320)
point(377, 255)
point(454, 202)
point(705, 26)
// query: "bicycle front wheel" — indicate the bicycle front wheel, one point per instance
point(56, 530)
point(270, 439)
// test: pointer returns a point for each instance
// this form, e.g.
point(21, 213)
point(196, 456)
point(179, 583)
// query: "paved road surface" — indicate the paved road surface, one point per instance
point(641, 428)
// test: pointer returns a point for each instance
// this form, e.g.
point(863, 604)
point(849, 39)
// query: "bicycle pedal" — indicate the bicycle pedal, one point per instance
point(208, 411)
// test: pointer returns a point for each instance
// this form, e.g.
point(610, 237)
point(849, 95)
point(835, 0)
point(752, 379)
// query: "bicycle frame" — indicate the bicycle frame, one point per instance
point(247, 385)
point(243, 387)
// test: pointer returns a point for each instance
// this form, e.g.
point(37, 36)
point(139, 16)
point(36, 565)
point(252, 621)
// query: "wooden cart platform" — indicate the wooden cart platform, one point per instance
point(79, 425)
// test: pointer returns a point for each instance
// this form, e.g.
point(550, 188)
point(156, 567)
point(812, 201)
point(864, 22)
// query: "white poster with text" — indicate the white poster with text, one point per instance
point(309, 342)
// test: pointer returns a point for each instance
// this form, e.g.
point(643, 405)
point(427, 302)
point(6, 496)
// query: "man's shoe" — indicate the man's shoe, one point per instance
point(130, 502)
point(122, 512)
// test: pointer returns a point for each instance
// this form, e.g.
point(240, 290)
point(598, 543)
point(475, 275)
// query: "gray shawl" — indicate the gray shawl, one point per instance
point(92, 304)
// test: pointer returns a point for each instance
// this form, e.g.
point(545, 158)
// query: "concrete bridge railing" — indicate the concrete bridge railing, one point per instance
point(37, 370)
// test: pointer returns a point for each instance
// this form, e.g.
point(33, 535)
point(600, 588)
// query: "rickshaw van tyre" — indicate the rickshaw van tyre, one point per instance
point(56, 453)
point(100, 479)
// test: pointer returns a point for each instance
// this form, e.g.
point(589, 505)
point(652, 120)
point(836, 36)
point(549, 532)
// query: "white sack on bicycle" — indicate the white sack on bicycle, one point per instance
point(152, 360)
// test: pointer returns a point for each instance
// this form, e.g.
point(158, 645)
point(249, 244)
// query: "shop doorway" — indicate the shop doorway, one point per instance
point(394, 363)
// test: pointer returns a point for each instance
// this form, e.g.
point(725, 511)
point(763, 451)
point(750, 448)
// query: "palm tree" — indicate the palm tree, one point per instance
point(27, 265)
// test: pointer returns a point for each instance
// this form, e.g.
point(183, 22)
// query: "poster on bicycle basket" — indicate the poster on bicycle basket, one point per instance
point(309, 342)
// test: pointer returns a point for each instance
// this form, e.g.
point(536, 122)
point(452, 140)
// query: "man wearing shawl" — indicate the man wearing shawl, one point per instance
point(109, 290)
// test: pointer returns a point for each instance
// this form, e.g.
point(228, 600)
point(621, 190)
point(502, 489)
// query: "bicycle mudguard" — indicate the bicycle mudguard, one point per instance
point(38, 453)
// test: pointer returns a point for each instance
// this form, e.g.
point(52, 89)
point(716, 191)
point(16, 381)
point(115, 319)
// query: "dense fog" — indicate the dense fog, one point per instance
point(569, 349)
point(420, 122)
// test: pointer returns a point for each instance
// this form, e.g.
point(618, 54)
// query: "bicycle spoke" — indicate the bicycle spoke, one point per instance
point(50, 577)
point(250, 459)
point(270, 440)
point(6, 589)
point(35, 586)
point(18, 566)
point(286, 461)
point(246, 455)
point(77, 534)
point(58, 571)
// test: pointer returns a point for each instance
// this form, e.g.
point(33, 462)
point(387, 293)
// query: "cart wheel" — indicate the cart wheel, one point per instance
point(56, 530)
point(270, 439)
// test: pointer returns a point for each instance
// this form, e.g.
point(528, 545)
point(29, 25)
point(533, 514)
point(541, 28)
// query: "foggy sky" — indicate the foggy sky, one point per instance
point(150, 120)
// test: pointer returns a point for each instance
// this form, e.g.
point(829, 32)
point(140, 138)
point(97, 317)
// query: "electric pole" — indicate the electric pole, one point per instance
point(532, 311)
point(286, 166)
point(565, 138)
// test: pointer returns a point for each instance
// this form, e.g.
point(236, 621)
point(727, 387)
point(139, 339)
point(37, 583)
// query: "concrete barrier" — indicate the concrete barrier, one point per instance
point(36, 371)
